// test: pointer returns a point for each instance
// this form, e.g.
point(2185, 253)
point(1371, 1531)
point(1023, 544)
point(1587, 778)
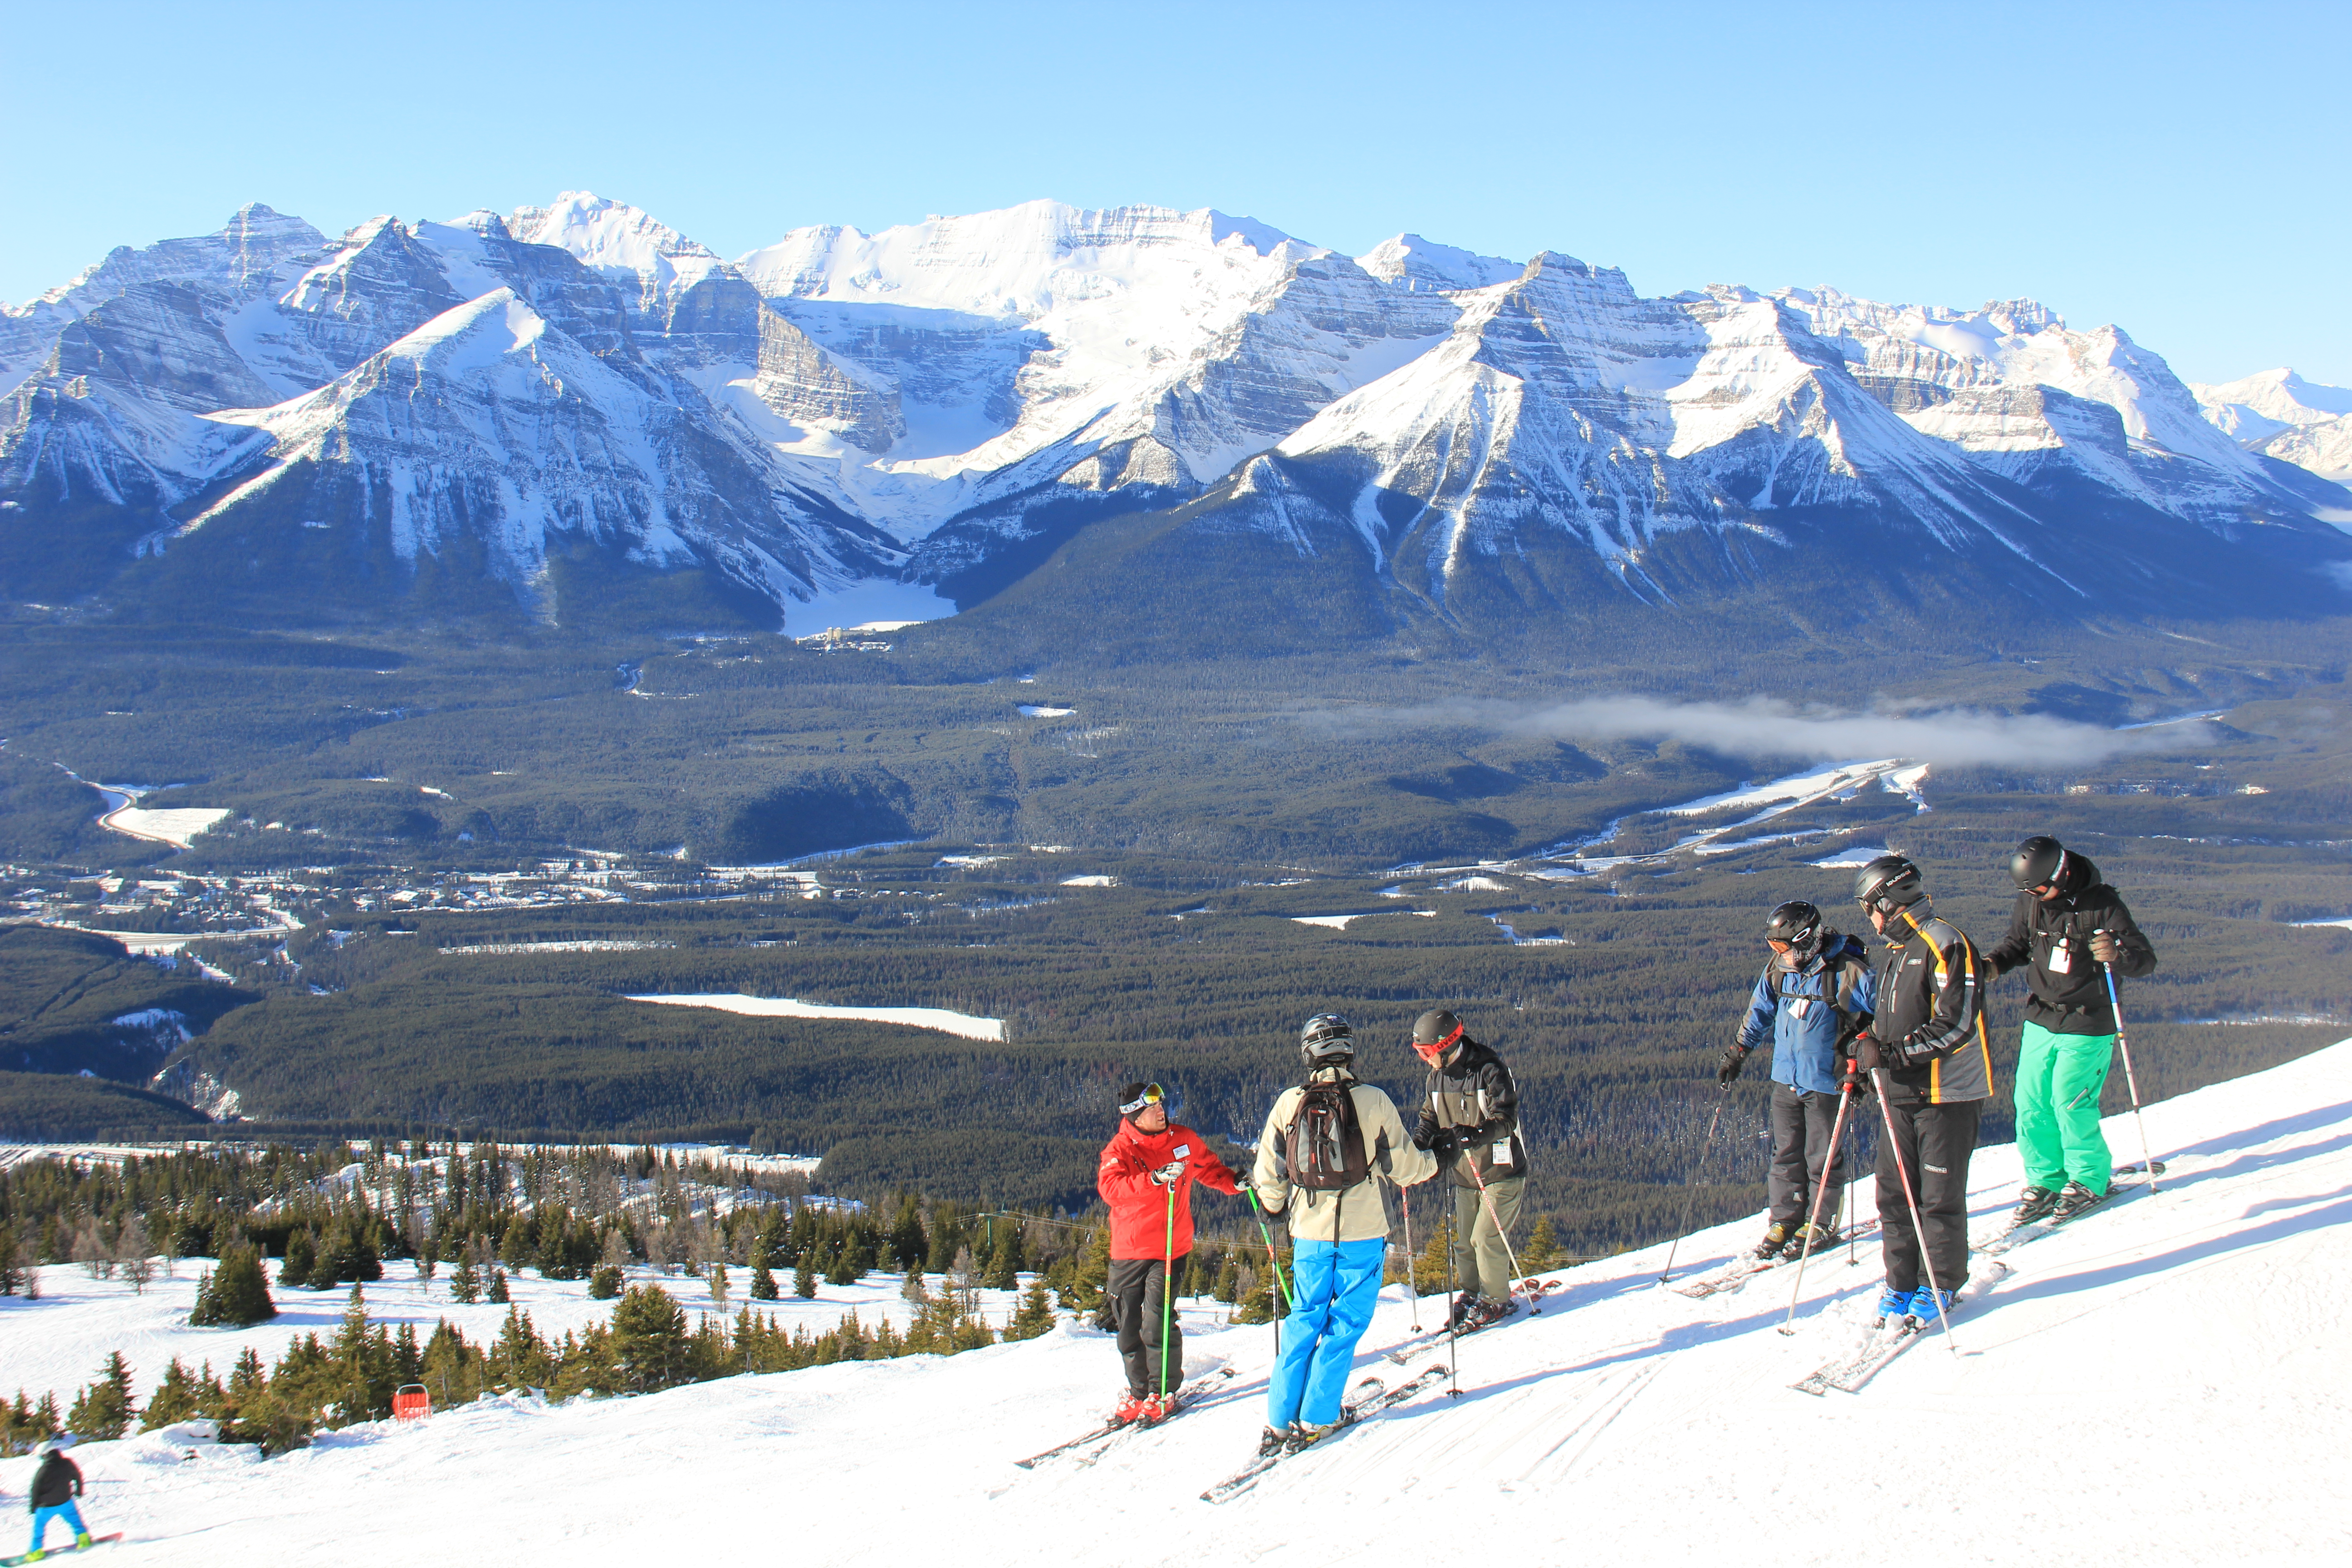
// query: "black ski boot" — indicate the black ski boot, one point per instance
point(1776, 1237)
point(1270, 1442)
point(1820, 1235)
point(2033, 1203)
point(1465, 1305)
point(2074, 1199)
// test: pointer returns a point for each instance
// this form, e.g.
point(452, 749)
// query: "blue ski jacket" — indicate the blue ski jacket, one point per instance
point(1791, 1008)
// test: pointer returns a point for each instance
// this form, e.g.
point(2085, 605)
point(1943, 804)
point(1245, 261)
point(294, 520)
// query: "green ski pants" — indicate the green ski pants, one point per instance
point(2059, 1077)
point(1480, 1261)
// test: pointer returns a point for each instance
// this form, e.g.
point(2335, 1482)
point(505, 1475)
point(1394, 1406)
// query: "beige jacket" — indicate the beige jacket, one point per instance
point(1360, 1212)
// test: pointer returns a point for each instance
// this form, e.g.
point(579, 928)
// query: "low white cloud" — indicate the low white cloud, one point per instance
point(1765, 727)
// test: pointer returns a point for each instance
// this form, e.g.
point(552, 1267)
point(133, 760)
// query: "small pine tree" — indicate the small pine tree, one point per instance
point(804, 1279)
point(465, 1281)
point(1035, 1316)
point(104, 1410)
point(763, 1283)
point(302, 1257)
point(237, 1296)
point(498, 1296)
point(719, 1282)
point(1543, 1249)
point(605, 1283)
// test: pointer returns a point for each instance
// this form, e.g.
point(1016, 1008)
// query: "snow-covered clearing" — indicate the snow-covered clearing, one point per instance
point(1039, 711)
point(939, 1018)
point(175, 826)
point(2161, 1384)
point(1339, 923)
point(1092, 881)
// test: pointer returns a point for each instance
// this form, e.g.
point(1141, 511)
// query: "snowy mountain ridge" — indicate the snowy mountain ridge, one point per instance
point(2278, 413)
point(938, 403)
point(2159, 1382)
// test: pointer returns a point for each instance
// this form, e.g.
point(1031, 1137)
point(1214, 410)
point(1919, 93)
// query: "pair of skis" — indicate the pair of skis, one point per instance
point(1890, 1336)
point(1368, 1398)
point(2009, 1234)
point(1738, 1272)
point(1110, 1432)
point(1530, 1290)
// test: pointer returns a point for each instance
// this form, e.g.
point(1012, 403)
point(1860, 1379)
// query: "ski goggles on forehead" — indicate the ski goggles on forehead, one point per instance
point(1152, 1095)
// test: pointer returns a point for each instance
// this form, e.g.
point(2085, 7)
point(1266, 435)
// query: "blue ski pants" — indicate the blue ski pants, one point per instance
point(1334, 1286)
point(65, 1511)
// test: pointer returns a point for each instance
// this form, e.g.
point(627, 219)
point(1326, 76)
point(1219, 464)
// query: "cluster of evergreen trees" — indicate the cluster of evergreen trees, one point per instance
point(352, 1375)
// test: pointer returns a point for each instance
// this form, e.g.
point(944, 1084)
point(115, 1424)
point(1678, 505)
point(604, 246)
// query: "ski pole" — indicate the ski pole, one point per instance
point(1690, 1205)
point(1919, 1231)
point(1454, 1327)
point(1487, 1199)
point(1845, 1198)
point(1821, 1191)
point(1167, 1292)
point(1273, 1261)
point(1412, 1258)
point(2130, 1082)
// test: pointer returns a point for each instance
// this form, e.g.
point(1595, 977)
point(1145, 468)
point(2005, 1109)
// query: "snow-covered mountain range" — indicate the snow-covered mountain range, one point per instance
point(937, 406)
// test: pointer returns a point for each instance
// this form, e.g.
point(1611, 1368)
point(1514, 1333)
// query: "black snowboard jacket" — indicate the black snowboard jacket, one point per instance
point(57, 1480)
point(2051, 941)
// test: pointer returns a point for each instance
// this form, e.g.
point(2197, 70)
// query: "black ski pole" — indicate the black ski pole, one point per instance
point(1690, 1205)
point(1454, 1325)
point(2130, 1081)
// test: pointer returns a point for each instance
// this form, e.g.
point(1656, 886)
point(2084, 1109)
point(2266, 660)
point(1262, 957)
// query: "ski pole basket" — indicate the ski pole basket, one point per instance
point(412, 1402)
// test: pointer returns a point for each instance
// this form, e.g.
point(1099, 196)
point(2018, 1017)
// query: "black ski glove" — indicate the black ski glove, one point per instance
point(1735, 1056)
point(1445, 1143)
point(1424, 1130)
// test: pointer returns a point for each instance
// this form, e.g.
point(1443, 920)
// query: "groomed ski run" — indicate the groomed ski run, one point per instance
point(2187, 1339)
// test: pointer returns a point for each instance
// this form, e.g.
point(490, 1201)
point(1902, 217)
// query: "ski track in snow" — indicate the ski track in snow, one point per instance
point(2157, 1384)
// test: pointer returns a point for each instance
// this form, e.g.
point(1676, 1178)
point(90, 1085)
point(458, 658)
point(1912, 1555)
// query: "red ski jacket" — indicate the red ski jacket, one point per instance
point(1138, 1210)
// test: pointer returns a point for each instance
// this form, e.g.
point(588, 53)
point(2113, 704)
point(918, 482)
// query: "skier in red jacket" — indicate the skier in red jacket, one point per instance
point(1147, 1174)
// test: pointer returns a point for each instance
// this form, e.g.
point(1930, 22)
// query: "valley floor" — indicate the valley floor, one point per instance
point(2163, 1382)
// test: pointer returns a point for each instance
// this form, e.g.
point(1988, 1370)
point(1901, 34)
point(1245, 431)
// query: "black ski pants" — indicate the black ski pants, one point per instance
point(1138, 1293)
point(1802, 1121)
point(1933, 1142)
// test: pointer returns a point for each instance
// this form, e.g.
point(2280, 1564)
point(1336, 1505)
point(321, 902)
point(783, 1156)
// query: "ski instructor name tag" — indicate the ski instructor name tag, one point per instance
point(1502, 1152)
point(1182, 1152)
point(2061, 959)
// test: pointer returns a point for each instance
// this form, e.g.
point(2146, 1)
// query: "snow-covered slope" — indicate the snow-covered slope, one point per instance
point(2161, 1383)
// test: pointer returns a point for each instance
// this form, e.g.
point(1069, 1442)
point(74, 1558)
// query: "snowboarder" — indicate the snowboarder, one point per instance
point(1470, 1121)
point(55, 1486)
point(1927, 1055)
point(2066, 926)
point(1146, 1176)
point(1326, 1148)
point(1816, 992)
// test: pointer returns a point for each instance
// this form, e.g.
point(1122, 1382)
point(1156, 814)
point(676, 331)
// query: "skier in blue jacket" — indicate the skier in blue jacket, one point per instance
point(1816, 992)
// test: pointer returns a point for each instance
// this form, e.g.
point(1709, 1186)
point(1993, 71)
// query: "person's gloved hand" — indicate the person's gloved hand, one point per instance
point(1423, 1130)
point(1167, 1172)
point(2104, 947)
point(1445, 1143)
point(1734, 1055)
point(1867, 1055)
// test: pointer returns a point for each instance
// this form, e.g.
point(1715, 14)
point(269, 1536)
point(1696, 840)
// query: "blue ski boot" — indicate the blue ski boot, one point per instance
point(1893, 1304)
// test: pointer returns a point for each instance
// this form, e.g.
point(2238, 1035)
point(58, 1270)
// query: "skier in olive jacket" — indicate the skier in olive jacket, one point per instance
point(2068, 930)
point(1926, 1053)
point(55, 1486)
point(1470, 1121)
point(1146, 1176)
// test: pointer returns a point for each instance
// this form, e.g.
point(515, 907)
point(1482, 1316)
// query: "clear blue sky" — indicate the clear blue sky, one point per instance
point(2177, 169)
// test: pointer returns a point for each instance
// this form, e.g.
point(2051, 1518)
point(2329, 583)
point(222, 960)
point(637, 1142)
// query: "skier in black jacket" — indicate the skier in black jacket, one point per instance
point(55, 1486)
point(2067, 930)
point(1927, 1053)
point(1470, 1121)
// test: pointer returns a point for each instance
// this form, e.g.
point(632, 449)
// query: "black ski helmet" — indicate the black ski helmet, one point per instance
point(2038, 861)
point(1327, 1040)
point(1435, 1032)
point(1887, 884)
point(1798, 924)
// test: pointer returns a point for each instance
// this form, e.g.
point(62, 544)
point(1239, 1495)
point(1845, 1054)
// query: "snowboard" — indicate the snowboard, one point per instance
point(66, 1551)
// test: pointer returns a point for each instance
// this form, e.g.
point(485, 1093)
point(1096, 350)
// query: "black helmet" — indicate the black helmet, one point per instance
point(1327, 1040)
point(1435, 1028)
point(1796, 930)
point(1887, 884)
point(2038, 861)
